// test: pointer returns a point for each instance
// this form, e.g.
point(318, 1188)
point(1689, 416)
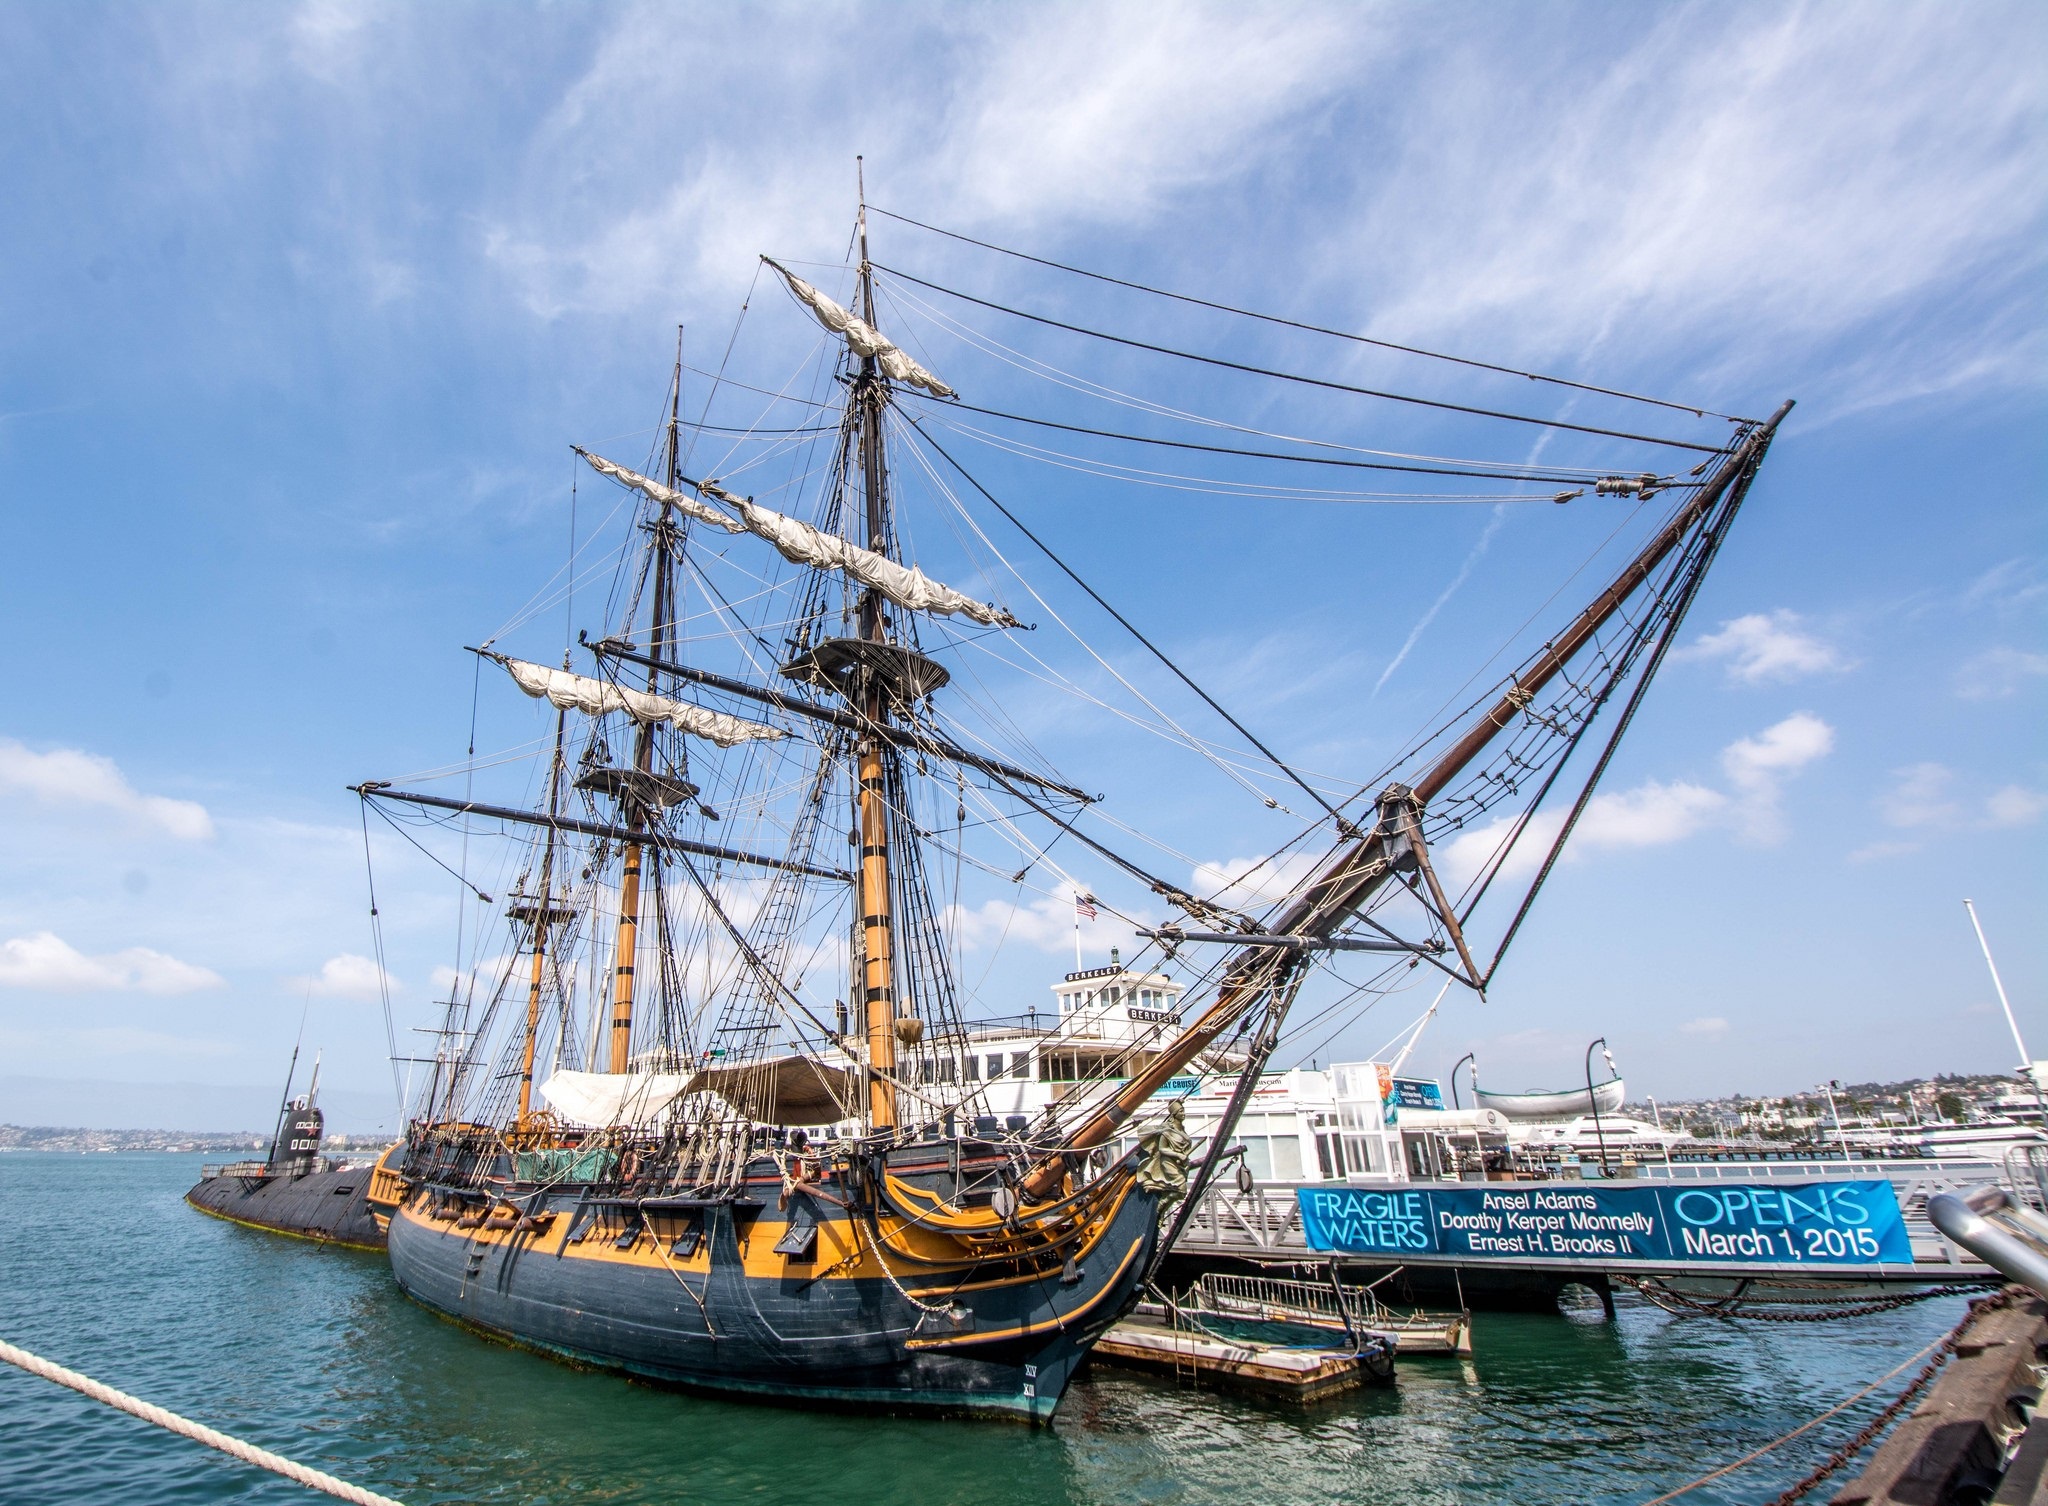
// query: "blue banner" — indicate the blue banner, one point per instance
point(1848, 1223)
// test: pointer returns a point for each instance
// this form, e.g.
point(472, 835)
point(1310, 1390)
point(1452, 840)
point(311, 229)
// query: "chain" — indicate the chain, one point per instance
point(1877, 1424)
point(1939, 1352)
point(1680, 1304)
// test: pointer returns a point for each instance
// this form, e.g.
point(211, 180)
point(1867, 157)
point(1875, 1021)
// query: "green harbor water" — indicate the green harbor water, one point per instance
point(313, 1353)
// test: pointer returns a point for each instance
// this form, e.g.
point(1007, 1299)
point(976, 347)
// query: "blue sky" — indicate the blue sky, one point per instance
point(304, 305)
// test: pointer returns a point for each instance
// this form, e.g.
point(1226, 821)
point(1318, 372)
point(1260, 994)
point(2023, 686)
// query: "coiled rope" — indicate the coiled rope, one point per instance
point(235, 1448)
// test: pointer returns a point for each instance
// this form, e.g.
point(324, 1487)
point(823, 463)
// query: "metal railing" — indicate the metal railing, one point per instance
point(1999, 1230)
point(1266, 1221)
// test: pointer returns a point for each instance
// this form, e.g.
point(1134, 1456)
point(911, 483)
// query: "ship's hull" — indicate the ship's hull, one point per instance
point(328, 1207)
point(701, 1299)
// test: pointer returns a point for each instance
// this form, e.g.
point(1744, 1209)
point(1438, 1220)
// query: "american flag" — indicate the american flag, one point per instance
point(1084, 907)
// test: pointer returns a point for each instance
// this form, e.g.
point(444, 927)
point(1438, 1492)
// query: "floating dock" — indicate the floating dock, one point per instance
point(1296, 1373)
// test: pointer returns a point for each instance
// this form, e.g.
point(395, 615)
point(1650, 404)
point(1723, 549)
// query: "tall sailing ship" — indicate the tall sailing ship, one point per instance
point(714, 1117)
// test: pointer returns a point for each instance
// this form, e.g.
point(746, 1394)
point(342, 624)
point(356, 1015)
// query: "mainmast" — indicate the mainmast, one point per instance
point(639, 788)
point(878, 978)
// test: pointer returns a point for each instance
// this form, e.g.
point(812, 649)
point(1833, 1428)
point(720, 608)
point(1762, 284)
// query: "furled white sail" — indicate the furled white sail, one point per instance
point(574, 692)
point(906, 585)
point(703, 512)
point(862, 337)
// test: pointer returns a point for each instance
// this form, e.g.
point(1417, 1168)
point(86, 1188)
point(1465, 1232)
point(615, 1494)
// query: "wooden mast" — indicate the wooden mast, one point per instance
point(638, 801)
point(1357, 870)
point(541, 915)
point(878, 975)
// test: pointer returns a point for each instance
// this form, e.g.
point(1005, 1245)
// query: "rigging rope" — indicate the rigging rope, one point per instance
point(1067, 570)
point(1314, 329)
point(233, 1447)
point(1556, 478)
point(1309, 381)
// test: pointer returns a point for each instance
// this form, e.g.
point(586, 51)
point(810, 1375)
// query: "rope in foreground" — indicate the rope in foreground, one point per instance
point(235, 1448)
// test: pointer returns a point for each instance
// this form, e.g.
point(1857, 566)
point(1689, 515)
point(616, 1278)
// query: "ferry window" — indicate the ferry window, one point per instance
point(1330, 1157)
point(974, 1069)
point(995, 1066)
point(1258, 1155)
point(1020, 1063)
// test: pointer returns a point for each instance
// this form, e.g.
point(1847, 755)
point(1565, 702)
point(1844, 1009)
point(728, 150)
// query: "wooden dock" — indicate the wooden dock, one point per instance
point(1298, 1374)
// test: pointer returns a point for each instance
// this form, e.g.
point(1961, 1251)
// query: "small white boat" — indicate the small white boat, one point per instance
point(1604, 1098)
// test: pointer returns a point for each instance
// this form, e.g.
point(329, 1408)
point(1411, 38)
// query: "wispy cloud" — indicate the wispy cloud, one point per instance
point(1708, 1024)
point(347, 976)
point(70, 777)
point(2015, 805)
point(45, 961)
point(1723, 170)
point(1924, 795)
point(1758, 767)
point(1998, 673)
point(1472, 558)
point(1762, 647)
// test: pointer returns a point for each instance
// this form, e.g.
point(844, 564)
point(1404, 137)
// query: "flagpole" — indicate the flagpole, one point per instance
point(1077, 933)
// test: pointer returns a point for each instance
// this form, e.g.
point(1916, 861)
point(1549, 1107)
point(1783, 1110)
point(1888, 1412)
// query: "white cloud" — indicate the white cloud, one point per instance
point(1047, 924)
point(1651, 815)
point(1876, 852)
point(68, 777)
point(46, 961)
point(1764, 647)
point(2015, 806)
point(1758, 767)
point(1997, 673)
point(1655, 813)
point(346, 977)
point(483, 976)
point(1706, 1024)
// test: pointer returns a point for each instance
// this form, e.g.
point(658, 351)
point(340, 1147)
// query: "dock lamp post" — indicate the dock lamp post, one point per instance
point(1593, 1098)
point(1467, 1057)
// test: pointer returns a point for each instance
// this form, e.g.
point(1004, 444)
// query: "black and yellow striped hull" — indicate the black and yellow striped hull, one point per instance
point(874, 1313)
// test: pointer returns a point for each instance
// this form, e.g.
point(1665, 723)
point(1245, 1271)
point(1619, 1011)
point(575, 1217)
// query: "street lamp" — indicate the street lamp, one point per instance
point(1467, 1057)
point(1593, 1097)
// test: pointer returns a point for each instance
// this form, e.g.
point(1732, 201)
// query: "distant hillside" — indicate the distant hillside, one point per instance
point(182, 1108)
